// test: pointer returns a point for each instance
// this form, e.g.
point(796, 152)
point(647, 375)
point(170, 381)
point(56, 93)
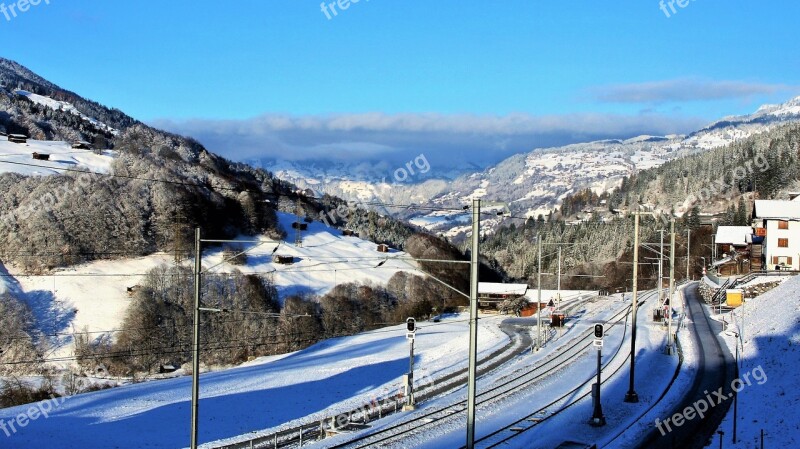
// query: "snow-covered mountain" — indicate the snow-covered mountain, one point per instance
point(535, 183)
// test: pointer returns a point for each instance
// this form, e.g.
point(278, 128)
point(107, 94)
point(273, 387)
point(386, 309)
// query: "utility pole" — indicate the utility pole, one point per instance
point(198, 256)
point(671, 285)
point(661, 269)
point(298, 238)
point(558, 295)
point(631, 396)
point(539, 297)
point(736, 393)
point(688, 252)
point(713, 249)
point(473, 324)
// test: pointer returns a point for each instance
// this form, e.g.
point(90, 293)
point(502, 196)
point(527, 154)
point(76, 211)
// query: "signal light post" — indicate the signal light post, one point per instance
point(411, 328)
point(598, 420)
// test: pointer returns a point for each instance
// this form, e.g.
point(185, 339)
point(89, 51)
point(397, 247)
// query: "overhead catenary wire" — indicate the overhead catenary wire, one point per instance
point(158, 350)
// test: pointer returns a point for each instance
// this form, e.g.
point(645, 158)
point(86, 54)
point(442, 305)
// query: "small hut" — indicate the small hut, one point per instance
point(383, 248)
point(18, 138)
point(283, 260)
point(41, 156)
point(82, 145)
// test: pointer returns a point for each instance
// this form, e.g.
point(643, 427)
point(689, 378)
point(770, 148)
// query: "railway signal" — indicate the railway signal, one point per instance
point(598, 420)
point(411, 330)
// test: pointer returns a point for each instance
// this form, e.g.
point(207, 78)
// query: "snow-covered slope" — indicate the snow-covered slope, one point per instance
point(770, 359)
point(329, 378)
point(64, 106)
point(18, 158)
point(95, 296)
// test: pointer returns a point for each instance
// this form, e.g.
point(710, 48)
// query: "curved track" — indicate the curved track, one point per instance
point(517, 380)
point(518, 341)
point(716, 369)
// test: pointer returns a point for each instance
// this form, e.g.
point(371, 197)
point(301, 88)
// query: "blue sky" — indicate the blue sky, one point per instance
point(386, 75)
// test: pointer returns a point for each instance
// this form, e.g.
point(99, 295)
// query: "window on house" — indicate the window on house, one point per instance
point(783, 224)
point(783, 243)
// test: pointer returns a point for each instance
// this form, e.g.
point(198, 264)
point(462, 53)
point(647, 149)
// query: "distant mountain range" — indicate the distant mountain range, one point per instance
point(533, 183)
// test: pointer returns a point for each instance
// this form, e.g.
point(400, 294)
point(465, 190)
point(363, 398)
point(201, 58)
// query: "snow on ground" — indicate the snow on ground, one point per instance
point(653, 365)
point(765, 280)
point(64, 106)
point(316, 383)
point(94, 295)
point(62, 156)
point(770, 355)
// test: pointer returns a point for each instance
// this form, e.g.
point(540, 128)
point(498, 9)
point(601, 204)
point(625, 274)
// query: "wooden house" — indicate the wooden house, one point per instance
point(82, 145)
point(383, 248)
point(41, 156)
point(492, 294)
point(18, 138)
point(283, 260)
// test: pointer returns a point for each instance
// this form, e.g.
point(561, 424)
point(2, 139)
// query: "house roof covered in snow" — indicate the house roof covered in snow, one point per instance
point(492, 288)
point(733, 235)
point(777, 210)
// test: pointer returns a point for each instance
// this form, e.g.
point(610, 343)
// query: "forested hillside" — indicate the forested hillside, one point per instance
point(721, 181)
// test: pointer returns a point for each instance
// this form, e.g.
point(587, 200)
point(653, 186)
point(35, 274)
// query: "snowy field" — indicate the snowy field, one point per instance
point(18, 158)
point(95, 296)
point(274, 392)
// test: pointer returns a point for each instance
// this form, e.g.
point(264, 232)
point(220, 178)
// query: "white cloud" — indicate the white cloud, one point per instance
point(445, 139)
point(684, 89)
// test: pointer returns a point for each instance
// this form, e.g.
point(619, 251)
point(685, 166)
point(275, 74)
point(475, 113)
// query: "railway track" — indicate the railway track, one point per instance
point(507, 385)
point(300, 435)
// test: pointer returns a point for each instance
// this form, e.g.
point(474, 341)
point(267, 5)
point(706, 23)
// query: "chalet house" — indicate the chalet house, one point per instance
point(733, 239)
point(18, 138)
point(491, 294)
point(41, 156)
point(283, 260)
point(735, 244)
point(382, 248)
point(82, 145)
point(778, 222)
